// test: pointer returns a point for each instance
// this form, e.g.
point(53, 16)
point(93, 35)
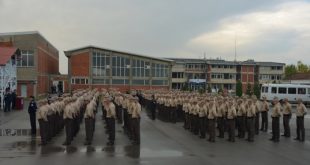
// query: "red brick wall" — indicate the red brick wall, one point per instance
point(42, 84)
point(46, 63)
point(80, 64)
point(29, 88)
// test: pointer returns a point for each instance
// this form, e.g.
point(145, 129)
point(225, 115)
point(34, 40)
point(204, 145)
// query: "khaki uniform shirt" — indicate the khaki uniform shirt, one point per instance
point(287, 109)
point(276, 110)
point(212, 112)
point(251, 111)
point(136, 111)
point(301, 110)
point(231, 114)
point(110, 110)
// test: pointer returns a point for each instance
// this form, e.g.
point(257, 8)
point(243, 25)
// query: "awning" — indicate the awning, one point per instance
point(6, 53)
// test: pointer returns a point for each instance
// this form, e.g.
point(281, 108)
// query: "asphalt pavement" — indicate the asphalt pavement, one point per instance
point(161, 143)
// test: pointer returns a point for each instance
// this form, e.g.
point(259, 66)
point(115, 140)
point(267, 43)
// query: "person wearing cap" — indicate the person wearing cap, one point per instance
point(276, 114)
point(212, 114)
point(241, 118)
point(287, 114)
point(202, 120)
point(32, 109)
point(231, 115)
point(43, 123)
point(135, 117)
point(220, 118)
point(301, 111)
point(89, 118)
point(250, 114)
point(265, 109)
point(111, 115)
point(257, 105)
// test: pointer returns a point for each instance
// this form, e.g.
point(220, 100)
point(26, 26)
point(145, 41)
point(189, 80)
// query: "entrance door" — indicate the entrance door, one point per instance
point(23, 89)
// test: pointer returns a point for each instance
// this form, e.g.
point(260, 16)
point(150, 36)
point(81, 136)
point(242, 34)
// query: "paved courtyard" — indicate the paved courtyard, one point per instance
point(162, 143)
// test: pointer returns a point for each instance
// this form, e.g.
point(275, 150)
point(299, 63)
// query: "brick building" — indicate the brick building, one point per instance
point(39, 60)
point(95, 67)
point(221, 74)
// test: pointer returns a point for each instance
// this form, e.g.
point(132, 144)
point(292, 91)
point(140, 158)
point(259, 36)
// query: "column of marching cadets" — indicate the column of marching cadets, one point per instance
point(69, 111)
point(203, 114)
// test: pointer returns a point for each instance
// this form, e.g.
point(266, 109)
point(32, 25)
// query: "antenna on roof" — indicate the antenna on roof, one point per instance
point(204, 55)
point(235, 46)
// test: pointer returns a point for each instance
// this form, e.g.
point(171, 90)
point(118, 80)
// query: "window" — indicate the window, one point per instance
point(274, 90)
point(120, 81)
point(302, 91)
point(291, 90)
point(27, 59)
point(76, 80)
point(266, 89)
point(308, 91)
point(263, 89)
point(159, 70)
point(282, 90)
point(119, 66)
point(101, 81)
point(101, 64)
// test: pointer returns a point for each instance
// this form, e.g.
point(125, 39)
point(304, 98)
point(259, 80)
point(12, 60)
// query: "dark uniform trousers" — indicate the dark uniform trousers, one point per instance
point(104, 113)
point(211, 130)
point(50, 127)
point(69, 130)
point(111, 129)
point(136, 130)
point(300, 128)
point(33, 123)
point(257, 123)
point(173, 114)
point(286, 125)
point(264, 125)
point(231, 129)
point(275, 128)
point(186, 120)
point(89, 128)
point(43, 130)
point(202, 127)
point(250, 128)
point(221, 127)
point(125, 114)
point(196, 124)
point(241, 126)
point(119, 114)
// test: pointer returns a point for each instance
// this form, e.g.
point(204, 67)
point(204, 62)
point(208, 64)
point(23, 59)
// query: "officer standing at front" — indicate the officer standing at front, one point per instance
point(265, 109)
point(276, 114)
point(32, 109)
point(135, 118)
point(111, 114)
point(250, 113)
point(287, 114)
point(301, 111)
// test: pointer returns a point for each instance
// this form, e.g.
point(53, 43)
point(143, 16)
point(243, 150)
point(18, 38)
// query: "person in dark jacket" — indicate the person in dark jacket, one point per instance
point(14, 96)
point(7, 102)
point(32, 109)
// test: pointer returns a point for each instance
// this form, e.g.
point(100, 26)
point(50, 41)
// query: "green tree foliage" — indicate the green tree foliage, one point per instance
point(209, 89)
point(302, 68)
point(290, 70)
point(239, 88)
point(249, 89)
point(256, 89)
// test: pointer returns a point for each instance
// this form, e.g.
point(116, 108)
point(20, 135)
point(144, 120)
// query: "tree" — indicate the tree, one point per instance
point(249, 89)
point(256, 89)
point(290, 70)
point(302, 68)
point(239, 88)
point(209, 89)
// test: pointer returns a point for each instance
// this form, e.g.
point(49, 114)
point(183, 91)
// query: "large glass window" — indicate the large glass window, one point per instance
point(140, 68)
point(120, 66)
point(27, 59)
point(78, 80)
point(302, 91)
point(291, 90)
point(274, 90)
point(101, 64)
point(282, 90)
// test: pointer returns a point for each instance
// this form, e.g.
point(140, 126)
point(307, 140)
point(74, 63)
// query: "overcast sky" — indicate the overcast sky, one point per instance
point(265, 30)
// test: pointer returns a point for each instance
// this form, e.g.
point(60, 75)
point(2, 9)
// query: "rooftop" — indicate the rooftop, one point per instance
point(27, 33)
point(68, 52)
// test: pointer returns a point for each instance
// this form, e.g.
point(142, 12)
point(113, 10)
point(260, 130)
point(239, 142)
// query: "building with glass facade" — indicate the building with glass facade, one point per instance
point(95, 67)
